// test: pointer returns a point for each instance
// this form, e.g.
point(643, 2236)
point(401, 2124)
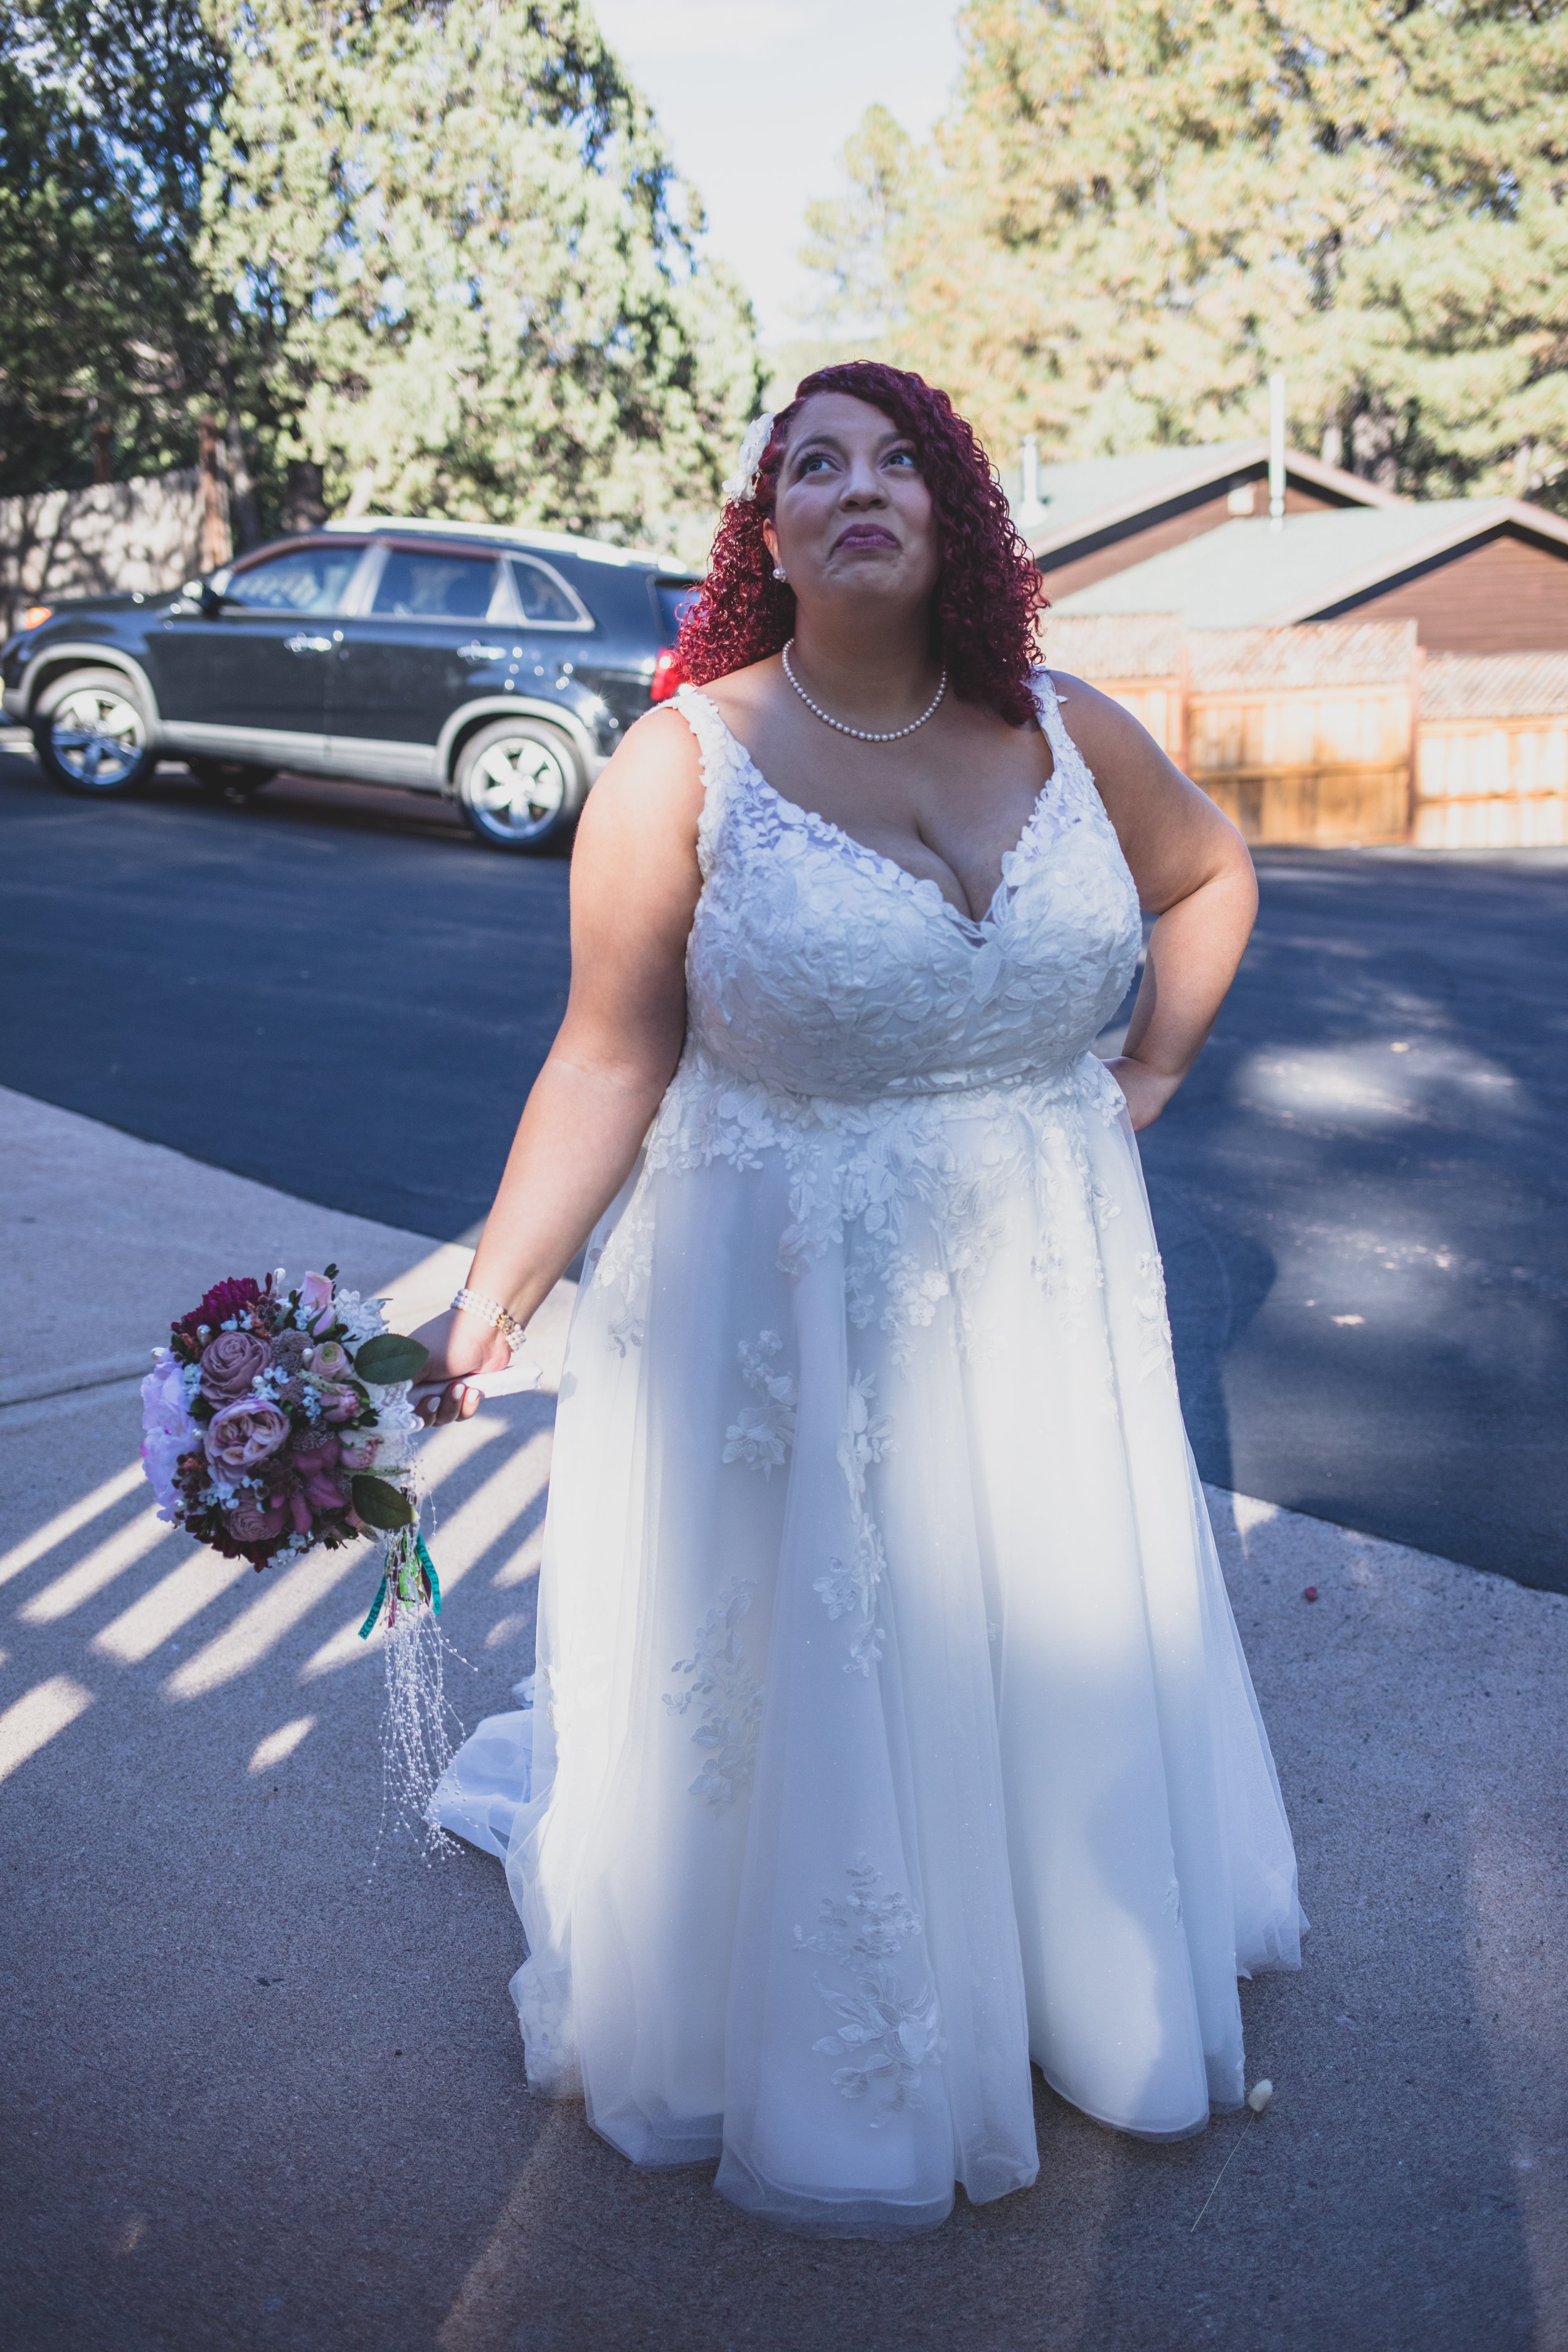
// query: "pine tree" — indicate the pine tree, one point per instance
point(1078, 254)
point(1439, 345)
point(1135, 212)
point(456, 270)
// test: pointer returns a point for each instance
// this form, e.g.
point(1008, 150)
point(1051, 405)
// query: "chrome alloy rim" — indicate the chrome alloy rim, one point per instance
point(97, 734)
point(518, 788)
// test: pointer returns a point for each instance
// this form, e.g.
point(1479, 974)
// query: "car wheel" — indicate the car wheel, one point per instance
point(520, 785)
point(93, 735)
point(234, 781)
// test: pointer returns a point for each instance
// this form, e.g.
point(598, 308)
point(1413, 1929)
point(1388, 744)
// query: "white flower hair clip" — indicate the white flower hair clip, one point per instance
point(743, 482)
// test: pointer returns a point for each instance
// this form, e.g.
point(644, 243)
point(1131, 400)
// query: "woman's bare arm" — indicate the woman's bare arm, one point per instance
point(635, 884)
point(1192, 871)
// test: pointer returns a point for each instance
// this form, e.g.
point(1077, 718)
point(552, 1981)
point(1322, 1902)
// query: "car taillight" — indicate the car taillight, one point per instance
point(35, 615)
point(667, 675)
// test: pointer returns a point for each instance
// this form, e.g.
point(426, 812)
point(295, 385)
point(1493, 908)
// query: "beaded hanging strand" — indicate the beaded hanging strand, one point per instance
point(864, 734)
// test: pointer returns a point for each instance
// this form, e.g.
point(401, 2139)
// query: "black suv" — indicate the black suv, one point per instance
point(499, 666)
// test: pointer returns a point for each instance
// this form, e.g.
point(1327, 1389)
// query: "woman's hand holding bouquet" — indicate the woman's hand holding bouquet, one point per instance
point(459, 1348)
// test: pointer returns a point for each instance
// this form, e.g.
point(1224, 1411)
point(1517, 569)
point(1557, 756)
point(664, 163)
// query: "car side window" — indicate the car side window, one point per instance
point(676, 598)
point(543, 597)
point(300, 580)
point(435, 587)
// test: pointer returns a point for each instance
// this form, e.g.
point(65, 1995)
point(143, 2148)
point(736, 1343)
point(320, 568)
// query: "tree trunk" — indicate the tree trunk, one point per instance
point(242, 506)
point(216, 542)
point(304, 501)
point(102, 453)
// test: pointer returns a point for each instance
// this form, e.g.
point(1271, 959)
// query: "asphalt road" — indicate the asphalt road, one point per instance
point(1360, 1194)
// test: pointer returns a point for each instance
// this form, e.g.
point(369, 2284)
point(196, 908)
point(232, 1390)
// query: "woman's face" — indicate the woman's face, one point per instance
point(852, 517)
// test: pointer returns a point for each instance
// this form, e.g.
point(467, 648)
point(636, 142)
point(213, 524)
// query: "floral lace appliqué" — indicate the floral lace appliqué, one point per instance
point(762, 1432)
point(886, 2034)
point(1154, 1322)
point(726, 1696)
point(851, 1587)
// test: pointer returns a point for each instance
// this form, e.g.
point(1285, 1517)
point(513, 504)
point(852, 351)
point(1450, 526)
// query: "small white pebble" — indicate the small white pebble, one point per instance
point(1260, 2095)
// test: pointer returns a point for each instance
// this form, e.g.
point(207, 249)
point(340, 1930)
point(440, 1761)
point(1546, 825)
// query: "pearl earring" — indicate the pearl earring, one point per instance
point(778, 572)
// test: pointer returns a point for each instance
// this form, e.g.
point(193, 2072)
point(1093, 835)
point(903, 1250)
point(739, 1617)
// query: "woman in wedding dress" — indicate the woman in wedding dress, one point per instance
point(892, 1729)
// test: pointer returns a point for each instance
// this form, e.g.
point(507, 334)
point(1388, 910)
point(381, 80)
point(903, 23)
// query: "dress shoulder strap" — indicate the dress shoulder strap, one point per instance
point(1047, 702)
point(1075, 778)
point(716, 751)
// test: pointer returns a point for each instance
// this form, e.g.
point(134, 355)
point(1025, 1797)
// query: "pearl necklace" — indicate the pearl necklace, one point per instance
point(864, 734)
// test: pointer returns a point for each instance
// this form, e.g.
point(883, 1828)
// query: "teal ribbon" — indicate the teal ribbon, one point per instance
point(368, 1628)
point(426, 1566)
point(431, 1579)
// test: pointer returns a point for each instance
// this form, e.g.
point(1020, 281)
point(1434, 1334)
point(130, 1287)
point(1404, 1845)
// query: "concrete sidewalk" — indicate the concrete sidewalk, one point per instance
point(259, 2095)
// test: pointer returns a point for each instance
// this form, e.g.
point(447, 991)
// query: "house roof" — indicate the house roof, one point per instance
point(1249, 573)
point(1095, 494)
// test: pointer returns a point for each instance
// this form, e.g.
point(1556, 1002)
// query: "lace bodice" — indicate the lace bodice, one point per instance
point(818, 967)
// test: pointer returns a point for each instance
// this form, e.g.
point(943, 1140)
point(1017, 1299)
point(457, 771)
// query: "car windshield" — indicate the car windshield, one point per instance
point(674, 598)
point(300, 580)
point(542, 596)
point(435, 587)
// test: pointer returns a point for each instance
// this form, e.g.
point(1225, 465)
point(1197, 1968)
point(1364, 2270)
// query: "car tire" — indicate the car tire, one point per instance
point(233, 781)
point(93, 733)
point(520, 785)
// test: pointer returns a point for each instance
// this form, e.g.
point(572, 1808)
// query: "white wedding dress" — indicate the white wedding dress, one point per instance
point(892, 1729)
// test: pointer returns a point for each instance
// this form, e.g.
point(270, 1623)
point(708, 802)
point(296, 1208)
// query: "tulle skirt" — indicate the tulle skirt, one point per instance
point(890, 1726)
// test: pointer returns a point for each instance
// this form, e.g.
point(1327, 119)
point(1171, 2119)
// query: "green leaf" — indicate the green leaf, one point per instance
point(380, 1504)
point(389, 1358)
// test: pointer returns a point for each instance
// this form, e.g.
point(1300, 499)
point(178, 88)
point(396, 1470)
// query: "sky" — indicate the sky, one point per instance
point(756, 99)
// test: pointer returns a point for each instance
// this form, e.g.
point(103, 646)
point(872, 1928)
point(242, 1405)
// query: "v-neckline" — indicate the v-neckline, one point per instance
point(890, 868)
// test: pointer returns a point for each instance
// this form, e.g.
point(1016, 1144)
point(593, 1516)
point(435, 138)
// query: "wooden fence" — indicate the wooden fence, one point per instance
point(1339, 733)
point(1492, 752)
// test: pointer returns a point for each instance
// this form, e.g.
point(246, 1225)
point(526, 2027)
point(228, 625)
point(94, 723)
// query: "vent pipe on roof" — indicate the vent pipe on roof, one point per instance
point(1030, 510)
point(1275, 452)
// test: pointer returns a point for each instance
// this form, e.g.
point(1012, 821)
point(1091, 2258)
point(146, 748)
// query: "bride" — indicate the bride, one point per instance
point(891, 1728)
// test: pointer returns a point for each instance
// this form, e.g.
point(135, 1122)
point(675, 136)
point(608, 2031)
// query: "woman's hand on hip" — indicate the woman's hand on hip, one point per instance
point(1147, 1091)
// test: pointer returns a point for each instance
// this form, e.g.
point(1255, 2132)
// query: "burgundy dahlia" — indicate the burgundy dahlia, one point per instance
point(225, 1299)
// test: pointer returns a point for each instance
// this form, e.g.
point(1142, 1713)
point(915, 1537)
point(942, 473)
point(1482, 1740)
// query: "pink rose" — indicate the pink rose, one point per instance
point(339, 1404)
point(253, 1521)
point(230, 1363)
point(243, 1434)
point(318, 1311)
point(330, 1360)
point(359, 1452)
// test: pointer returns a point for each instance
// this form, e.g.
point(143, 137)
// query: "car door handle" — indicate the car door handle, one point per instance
point(309, 644)
point(475, 652)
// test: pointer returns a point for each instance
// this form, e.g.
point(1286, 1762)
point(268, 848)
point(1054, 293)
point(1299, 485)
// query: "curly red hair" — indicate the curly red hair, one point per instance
point(987, 597)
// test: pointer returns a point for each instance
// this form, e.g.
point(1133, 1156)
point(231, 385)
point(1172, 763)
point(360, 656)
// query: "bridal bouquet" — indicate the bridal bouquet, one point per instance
point(279, 1418)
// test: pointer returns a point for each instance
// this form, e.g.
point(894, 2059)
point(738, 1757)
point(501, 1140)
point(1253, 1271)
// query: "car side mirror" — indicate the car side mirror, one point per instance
point(211, 594)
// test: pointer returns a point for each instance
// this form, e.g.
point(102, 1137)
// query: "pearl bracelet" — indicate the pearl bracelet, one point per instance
point(491, 1312)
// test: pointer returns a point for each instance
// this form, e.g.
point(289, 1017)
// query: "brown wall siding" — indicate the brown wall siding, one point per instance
point(1170, 530)
point(1509, 595)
